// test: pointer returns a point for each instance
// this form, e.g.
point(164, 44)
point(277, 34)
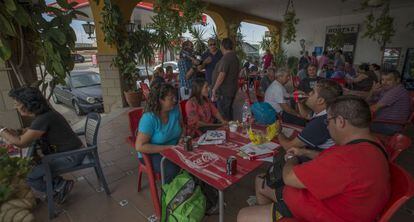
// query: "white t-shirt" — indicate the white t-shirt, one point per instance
point(275, 94)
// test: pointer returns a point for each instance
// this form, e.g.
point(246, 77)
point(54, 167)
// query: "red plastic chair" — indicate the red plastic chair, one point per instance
point(183, 112)
point(396, 145)
point(145, 89)
point(402, 189)
point(340, 81)
point(244, 87)
point(259, 95)
point(134, 117)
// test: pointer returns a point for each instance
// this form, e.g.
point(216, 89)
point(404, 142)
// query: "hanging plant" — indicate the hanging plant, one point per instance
point(380, 29)
point(289, 23)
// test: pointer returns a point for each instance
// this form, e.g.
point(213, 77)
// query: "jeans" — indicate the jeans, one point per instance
point(225, 106)
point(170, 171)
point(36, 180)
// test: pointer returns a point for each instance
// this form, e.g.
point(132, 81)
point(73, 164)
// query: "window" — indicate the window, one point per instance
point(85, 80)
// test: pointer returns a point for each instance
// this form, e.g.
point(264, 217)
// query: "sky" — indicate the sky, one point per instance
point(252, 33)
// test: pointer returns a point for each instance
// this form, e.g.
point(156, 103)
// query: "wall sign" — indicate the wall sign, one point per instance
point(350, 36)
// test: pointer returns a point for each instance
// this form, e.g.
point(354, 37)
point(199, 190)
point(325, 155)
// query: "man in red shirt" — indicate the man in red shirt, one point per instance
point(348, 182)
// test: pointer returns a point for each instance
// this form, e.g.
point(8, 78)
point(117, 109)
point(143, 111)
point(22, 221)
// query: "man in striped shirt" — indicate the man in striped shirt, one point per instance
point(390, 101)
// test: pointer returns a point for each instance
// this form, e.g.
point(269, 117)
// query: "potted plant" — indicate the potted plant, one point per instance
point(16, 198)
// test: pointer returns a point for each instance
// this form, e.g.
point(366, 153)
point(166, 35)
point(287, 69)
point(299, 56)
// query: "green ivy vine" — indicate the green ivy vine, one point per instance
point(289, 26)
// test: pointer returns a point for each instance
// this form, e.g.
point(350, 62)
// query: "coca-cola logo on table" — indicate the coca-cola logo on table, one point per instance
point(203, 159)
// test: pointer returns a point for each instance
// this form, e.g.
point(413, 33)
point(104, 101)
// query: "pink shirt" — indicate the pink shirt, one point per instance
point(323, 60)
point(196, 112)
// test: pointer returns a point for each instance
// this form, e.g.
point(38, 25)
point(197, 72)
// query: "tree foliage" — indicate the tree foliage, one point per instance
point(200, 44)
point(172, 18)
point(380, 29)
point(51, 40)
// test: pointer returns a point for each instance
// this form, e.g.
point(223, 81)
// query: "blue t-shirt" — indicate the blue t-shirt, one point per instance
point(161, 134)
point(210, 67)
point(315, 134)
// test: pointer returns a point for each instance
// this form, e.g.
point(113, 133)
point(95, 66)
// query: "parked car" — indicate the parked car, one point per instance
point(82, 91)
point(174, 65)
point(143, 72)
point(77, 58)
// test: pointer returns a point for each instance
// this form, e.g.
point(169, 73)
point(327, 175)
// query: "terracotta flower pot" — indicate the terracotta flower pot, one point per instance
point(133, 98)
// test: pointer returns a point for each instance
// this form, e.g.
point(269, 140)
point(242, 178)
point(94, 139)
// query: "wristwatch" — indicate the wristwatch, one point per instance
point(288, 157)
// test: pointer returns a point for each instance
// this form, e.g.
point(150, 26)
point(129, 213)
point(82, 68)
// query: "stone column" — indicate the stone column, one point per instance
point(111, 82)
point(8, 114)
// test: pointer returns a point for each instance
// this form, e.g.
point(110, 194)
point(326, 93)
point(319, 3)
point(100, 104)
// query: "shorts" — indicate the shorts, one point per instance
point(280, 209)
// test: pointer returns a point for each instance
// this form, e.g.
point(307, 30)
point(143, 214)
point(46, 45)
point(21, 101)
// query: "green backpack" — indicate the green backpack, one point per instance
point(182, 200)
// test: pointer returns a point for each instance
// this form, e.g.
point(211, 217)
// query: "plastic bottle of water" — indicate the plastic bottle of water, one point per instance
point(246, 115)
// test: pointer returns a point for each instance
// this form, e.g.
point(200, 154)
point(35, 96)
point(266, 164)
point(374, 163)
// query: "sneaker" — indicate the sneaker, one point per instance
point(213, 210)
point(63, 194)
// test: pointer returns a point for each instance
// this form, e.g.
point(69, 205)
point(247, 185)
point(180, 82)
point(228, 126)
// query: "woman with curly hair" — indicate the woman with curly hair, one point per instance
point(160, 127)
point(201, 113)
point(51, 131)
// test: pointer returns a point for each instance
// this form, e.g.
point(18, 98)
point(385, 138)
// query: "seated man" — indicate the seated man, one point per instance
point(315, 135)
point(276, 93)
point(307, 84)
point(267, 79)
point(347, 182)
point(390, 101)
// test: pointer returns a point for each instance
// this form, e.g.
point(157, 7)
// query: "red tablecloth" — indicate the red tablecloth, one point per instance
point(208, 162)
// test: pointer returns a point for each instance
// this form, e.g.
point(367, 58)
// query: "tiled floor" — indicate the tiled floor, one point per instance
point(86, 203)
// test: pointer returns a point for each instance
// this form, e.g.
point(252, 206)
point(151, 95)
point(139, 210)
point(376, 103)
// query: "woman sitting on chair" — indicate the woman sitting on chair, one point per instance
point(160, 127)
point(201, 113)
point(51, 131)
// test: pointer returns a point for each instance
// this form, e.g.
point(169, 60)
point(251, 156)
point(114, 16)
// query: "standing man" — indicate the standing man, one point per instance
point(323, 60)
point(185, 63)
point(304, 60)
point(210, 60)
point(267, 59)
point(267, 79)
point(225, 79)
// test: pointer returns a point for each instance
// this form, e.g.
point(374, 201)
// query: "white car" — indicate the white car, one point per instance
point(174, 65)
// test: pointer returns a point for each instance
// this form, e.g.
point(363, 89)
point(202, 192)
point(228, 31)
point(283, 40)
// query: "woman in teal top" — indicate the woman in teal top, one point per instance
point(159, 127)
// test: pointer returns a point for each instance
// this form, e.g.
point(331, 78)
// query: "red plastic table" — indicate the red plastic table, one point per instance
point(208, 163)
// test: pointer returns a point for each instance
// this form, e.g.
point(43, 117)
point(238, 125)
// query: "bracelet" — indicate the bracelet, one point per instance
point(2, 129)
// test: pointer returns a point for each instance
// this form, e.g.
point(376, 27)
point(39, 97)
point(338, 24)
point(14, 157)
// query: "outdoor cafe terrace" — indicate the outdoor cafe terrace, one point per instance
point(88, 203)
